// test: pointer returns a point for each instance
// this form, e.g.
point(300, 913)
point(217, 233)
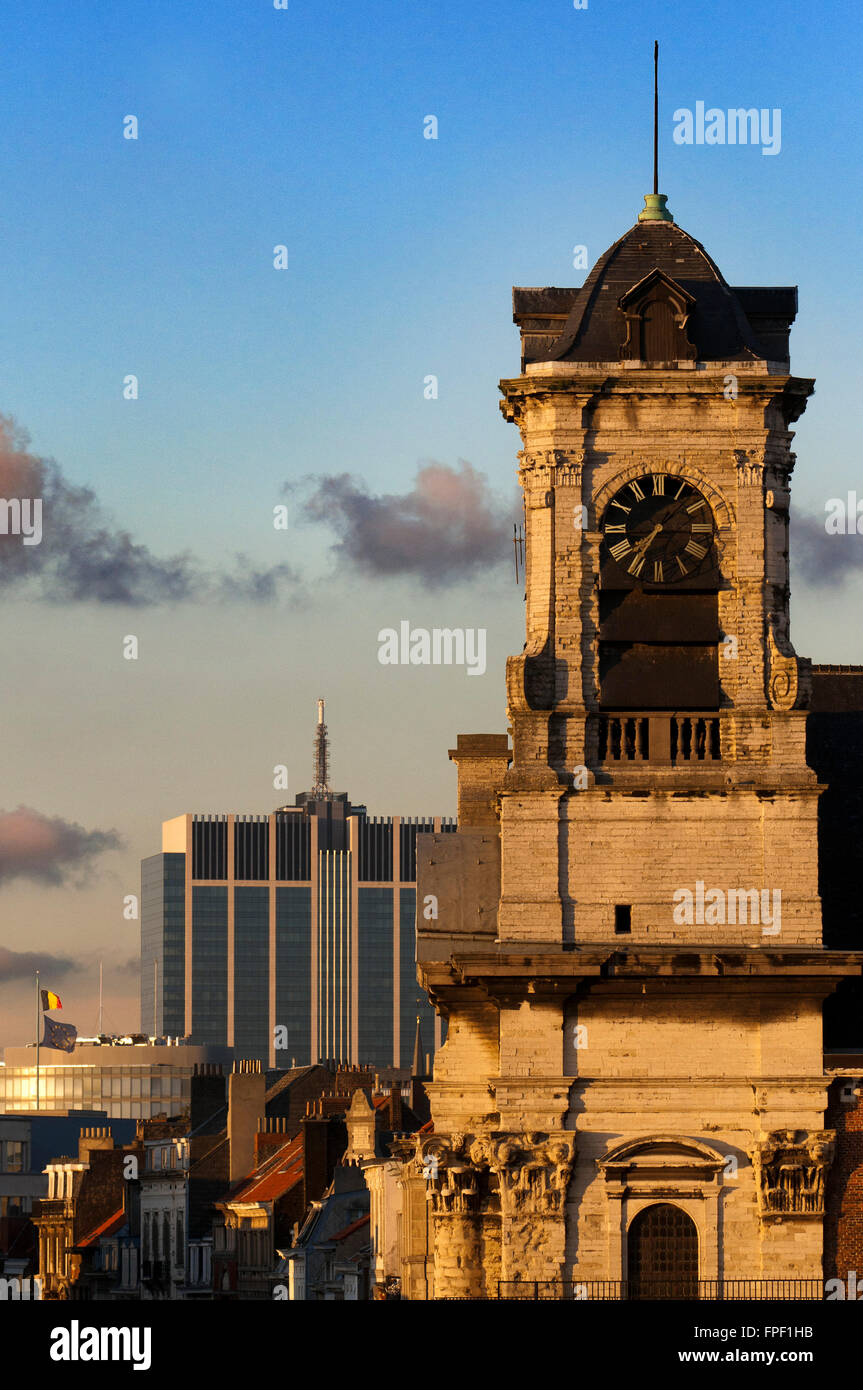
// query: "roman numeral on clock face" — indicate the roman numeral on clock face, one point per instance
point(680, 565)
point(622, 548)
point(659, 484)
point(619, 527)
point(637, 490)
point(696, 506)
point(702, 526)
point(693, 548)
point(636, 567)
point(622, 508)
point(657, 572)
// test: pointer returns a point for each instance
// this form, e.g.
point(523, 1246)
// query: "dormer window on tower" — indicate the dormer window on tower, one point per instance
point(656, 312)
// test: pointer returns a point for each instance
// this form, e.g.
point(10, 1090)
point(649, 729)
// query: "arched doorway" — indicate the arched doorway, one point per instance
point(662, 1254)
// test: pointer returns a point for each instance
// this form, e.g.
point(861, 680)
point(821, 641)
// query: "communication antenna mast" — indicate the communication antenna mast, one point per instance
point(321, 786)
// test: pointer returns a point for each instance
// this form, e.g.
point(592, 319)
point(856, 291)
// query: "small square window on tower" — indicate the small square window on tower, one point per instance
point(622, 919)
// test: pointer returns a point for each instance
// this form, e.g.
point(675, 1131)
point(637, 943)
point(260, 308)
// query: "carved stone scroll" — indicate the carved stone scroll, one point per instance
point(782, 669)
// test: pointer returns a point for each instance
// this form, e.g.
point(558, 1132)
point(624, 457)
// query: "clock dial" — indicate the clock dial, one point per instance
point(658, 529)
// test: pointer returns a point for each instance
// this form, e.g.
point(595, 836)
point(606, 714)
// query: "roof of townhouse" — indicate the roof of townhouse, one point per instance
point(108, 1227)
point(276, 1176)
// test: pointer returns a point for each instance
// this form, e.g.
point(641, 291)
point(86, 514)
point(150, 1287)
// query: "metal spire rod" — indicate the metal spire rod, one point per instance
point(38, 1031)
point(656, 117)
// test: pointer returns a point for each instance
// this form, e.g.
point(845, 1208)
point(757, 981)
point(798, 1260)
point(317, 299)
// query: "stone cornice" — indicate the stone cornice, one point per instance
point(788, 393)
point(545, 972)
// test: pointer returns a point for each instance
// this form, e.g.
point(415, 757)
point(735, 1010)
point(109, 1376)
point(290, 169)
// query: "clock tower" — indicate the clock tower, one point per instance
point(625, 933)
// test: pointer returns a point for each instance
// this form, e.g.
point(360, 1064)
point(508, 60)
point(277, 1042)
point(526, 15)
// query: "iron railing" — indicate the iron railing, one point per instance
point(663, 1290)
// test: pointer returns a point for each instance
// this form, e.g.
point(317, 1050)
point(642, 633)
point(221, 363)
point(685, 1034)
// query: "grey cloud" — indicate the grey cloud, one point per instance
point(823, 560)
point(83, 558)
point(449, 525)
point(22, 965)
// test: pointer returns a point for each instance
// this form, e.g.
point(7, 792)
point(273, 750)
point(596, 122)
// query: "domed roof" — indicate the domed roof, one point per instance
point(716, 326)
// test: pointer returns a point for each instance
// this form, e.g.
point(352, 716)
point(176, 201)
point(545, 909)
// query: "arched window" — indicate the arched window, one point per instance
point(662, 1254)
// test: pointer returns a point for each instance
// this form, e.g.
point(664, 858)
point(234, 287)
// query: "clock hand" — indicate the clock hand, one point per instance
point(643, 544)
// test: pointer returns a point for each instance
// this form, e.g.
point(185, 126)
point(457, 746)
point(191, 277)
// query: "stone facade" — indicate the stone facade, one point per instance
point(628, 939)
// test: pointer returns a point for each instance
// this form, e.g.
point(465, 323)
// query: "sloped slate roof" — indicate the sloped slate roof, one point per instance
point(354, 1226)
point(595, 328)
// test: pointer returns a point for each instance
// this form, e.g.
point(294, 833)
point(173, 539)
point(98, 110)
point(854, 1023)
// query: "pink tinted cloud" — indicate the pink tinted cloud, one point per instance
point(47, 849)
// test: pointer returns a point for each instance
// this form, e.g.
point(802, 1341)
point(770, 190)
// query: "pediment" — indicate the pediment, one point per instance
point(658, 1154)
point(654, 286)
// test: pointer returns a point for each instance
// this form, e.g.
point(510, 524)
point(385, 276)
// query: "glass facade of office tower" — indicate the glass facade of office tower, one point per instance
point(289, 937)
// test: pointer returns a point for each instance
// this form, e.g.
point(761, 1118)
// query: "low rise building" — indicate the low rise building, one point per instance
point(129, 1077)
point(27, 1143)
point(85, 1192)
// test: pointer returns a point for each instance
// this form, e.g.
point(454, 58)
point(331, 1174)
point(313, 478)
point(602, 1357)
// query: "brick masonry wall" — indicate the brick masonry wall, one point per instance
point(843, 1224)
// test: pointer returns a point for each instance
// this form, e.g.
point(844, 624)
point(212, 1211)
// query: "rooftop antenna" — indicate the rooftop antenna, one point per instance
point(654, 203)
point(321, 788)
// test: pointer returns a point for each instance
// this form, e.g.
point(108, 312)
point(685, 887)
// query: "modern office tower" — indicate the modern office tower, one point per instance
point(290, 937)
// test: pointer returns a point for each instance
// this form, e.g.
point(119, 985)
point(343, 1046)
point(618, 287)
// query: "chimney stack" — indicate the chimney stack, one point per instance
point(246, 1108)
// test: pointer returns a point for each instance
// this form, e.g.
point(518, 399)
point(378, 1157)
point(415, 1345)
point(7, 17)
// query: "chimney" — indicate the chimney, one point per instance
point(246, 1107)
point(324, 1143)
point(272, 1135)
point(90, 1139)
point(207, 1093)
point(396, 1106)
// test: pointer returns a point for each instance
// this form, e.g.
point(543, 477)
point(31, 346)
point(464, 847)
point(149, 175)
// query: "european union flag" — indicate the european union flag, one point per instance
point(59, 1035)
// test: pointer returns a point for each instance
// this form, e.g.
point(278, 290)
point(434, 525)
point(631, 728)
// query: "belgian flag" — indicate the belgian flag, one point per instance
point(50, 1000)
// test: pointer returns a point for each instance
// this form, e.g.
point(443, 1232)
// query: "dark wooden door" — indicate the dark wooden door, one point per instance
point(662, 1254)
point(659, 333)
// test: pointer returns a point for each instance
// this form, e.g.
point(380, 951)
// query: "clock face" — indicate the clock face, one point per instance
point(658, 529)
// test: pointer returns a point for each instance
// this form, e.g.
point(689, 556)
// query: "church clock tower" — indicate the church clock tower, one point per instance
point(628, 934)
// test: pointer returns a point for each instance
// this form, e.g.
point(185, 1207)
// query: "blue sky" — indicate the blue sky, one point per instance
point(259, 127)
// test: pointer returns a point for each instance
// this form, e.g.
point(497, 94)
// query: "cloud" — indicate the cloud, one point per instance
point(253, 584)
point(821, 559)
point(132, 966)
point(22, 965)
point(48, 849)
point(82, 557)
point(446, 528)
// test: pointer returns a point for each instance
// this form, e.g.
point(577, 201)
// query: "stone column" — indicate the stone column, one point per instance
point(533, 1171)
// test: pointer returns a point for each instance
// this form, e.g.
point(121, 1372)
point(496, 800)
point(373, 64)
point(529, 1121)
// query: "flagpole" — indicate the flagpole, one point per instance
point(38, 1030)
point(100, 999)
